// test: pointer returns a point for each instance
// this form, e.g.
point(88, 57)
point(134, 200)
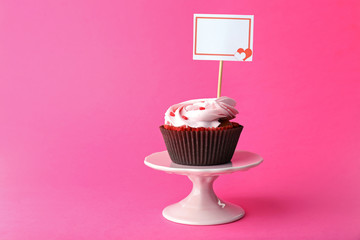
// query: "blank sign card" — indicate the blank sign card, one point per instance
point(223, 37)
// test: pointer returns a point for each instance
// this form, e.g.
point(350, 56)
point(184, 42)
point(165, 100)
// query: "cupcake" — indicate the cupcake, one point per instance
point(199, 132)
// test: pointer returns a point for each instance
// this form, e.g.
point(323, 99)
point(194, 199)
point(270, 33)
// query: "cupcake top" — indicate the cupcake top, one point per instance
point(201, 113)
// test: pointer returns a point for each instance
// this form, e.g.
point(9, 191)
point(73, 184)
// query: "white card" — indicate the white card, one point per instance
point(223, 37)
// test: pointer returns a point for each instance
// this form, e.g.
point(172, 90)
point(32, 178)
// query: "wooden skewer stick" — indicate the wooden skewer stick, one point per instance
point(220, 77)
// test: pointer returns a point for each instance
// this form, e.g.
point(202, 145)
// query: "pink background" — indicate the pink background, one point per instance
point(84, 86)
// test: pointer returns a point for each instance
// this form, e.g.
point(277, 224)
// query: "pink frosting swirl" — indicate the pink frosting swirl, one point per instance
point(201, 112)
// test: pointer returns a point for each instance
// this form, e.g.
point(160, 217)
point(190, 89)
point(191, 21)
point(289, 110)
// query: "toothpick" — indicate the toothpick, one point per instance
point(220, 77)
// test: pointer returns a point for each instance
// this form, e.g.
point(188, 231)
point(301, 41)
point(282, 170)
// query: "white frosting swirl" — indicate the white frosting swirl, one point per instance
point(201, 112)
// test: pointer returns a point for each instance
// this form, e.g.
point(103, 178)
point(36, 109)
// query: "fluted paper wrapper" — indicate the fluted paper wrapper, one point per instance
point(201, 148)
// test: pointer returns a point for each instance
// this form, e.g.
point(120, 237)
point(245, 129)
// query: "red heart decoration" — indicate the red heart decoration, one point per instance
point(247, 52)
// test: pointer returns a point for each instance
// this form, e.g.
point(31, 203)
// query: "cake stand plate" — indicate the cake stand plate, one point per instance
point(202, 206)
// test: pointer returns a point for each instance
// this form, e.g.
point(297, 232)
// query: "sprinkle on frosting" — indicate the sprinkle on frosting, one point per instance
point(201, 113)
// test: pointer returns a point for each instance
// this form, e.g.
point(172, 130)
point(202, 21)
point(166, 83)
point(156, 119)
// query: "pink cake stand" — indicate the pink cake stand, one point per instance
point(202, 206)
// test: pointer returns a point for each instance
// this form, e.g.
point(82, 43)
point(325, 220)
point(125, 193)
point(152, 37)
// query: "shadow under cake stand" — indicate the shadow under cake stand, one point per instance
point(202, 206)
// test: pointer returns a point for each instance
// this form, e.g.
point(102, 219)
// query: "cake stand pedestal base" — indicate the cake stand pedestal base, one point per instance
point(202, 206)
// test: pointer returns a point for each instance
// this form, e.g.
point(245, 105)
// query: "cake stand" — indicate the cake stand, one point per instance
point(202, 206)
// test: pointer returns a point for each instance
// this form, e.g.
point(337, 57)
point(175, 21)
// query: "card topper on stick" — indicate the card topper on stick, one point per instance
point(223, 37)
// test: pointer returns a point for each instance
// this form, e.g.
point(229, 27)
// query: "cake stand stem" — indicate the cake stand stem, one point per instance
point(202, 194)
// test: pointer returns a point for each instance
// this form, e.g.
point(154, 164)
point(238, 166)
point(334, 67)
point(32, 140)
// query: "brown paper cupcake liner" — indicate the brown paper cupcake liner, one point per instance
point(201, 148)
